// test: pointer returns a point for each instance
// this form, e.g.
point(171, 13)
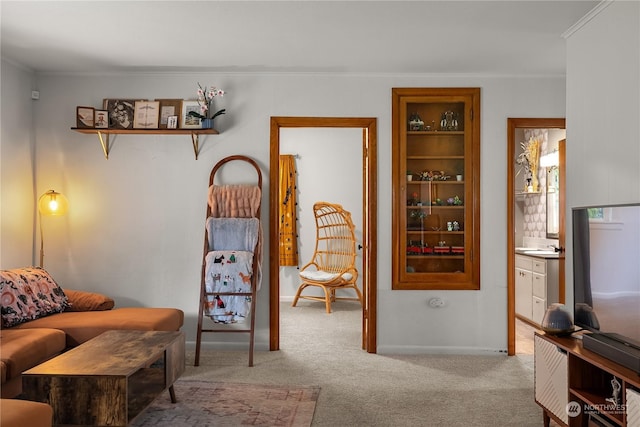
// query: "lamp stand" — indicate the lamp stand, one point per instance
point(41, 241)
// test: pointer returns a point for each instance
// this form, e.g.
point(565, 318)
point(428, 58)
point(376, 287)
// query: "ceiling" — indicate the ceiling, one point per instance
point(485, 37)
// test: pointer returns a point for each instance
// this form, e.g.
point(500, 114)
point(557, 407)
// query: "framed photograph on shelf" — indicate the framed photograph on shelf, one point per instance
point(168, 107)
point(172, 122)
point(84, 117)
point(146, 115)
point(121, 112)
point(187, 121)
point(101, 119)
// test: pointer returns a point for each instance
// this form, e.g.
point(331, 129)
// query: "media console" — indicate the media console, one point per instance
point(575, 386)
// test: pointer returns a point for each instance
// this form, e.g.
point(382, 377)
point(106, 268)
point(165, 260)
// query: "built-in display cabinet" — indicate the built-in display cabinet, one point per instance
point(436, 188)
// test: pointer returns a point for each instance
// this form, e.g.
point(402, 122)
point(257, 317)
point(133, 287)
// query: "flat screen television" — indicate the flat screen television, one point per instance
point(606, 272)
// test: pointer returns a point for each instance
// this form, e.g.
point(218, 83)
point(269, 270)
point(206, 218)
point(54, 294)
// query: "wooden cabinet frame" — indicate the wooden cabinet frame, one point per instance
point(453, 150)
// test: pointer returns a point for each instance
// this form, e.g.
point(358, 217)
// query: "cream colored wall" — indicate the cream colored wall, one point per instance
point(135, 226)
point(17, 156)
point(603, 106)
point(329, 166)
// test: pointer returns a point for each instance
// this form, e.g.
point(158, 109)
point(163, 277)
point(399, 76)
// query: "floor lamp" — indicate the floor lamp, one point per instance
point(50, 204)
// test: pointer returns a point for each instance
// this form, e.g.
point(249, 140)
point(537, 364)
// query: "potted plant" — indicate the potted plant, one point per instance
point(409, 176)
point(205, 99)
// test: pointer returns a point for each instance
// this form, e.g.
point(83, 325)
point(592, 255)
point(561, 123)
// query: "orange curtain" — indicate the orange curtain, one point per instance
point(287, 210)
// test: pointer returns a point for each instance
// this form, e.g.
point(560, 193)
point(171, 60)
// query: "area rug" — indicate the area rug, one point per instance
point(204, 403)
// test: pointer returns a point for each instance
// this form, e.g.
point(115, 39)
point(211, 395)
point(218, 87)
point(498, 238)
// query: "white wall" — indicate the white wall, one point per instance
point(329, 167)
point(603, 106)
point(135, 226)
point(17, 157)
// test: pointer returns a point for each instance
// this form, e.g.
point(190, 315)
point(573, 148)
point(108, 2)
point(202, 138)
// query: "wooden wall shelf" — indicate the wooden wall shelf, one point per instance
point(103, 135)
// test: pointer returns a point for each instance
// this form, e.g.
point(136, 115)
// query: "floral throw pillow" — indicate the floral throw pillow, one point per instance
point(27, 294)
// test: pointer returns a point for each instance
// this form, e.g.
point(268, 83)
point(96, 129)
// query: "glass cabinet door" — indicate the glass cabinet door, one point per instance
point(436, 185)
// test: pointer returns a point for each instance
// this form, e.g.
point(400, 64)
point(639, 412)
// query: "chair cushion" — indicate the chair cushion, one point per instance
point(27, 294)
point(323, 276)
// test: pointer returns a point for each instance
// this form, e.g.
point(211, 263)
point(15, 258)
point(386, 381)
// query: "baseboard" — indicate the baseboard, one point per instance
point(413, 350)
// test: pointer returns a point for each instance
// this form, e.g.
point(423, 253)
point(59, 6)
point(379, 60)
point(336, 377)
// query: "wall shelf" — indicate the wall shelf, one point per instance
point(103, 135)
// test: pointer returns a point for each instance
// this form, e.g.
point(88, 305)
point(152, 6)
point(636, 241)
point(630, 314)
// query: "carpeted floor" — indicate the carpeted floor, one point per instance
point(359, 389)
point(205, 403)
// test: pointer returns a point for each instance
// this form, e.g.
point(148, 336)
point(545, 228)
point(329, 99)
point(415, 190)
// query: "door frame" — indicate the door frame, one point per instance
point(512, 125)
point(369, 220)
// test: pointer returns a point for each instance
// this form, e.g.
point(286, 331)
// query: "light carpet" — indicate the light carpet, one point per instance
point(205, 403)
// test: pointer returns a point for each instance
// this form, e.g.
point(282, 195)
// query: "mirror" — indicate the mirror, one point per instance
point(553, 203)
point(550, 162)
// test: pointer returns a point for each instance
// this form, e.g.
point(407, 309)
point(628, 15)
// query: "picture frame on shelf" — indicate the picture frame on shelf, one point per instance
point(172, 122)
point(101, 119)
point(121, 112)
point(84, 117)
point(187, 121)
point(168, 108)
point(146, 114)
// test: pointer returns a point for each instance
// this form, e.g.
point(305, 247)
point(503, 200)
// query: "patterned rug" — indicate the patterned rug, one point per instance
point(202, 404)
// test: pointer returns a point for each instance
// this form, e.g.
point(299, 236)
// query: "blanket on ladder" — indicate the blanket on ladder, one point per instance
point(228, 271)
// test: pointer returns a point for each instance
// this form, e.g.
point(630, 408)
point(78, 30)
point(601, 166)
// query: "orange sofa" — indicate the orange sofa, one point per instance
point(41, 320)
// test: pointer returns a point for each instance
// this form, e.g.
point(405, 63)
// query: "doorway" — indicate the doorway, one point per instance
point(516, 128)
point(368, 127)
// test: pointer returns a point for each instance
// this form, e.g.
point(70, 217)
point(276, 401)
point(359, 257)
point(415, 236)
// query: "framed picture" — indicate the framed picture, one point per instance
point(168, 107)
point(84, 117)
point(121, 112)
point(187, 121)
point(101, 119)
point(146, 115)
point(172, 122)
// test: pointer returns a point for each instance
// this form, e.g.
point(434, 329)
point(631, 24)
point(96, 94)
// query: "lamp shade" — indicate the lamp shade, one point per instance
point(53, 204)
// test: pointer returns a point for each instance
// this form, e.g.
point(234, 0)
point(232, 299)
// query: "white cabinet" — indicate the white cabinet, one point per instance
point(536, 286)
point(551, 378)
point(633, 408)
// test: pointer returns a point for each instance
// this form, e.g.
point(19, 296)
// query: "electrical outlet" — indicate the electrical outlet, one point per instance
point(35, 94)
point(436, 302)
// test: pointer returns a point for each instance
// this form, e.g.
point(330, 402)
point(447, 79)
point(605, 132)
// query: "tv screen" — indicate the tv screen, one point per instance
point(606, 269)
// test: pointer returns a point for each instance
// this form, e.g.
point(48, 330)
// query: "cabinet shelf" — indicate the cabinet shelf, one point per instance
point(435, 132)
point(435, 207)
point(435, 182)
point(414, 231)
point(435, 158)
point(103, 135)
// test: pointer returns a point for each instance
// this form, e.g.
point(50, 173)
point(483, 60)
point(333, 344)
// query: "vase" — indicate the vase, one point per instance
point(206, 123)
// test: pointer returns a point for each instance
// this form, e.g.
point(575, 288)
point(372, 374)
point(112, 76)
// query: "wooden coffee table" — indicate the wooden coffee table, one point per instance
point(110, 379)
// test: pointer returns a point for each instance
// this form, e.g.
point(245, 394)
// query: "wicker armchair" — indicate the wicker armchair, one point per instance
point(332, 266)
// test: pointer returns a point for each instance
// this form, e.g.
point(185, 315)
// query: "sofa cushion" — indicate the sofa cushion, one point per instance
point(88, 301)
point(27, 294)
point(20, 413)
point(82, 326)
point(23, 349)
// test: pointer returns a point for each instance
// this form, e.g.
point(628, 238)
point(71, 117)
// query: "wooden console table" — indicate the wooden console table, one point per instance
point(110, 379)
point(573, 385)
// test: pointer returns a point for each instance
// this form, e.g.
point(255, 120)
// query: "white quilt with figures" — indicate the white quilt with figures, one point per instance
point(228, 271)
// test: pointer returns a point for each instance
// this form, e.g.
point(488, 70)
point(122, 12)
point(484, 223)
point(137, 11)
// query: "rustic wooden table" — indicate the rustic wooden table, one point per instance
point(110, 379)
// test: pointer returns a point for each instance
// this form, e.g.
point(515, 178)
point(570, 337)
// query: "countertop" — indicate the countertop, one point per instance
point(538, 253)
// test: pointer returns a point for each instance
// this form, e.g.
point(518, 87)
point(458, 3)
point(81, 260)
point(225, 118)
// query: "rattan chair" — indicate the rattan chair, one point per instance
point(332, 266)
